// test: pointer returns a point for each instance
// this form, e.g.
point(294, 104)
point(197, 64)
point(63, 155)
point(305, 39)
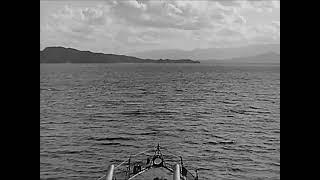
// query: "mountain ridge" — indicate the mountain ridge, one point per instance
point(270, 57)
point(265, 58)
point(210, 53)
point(60, 54)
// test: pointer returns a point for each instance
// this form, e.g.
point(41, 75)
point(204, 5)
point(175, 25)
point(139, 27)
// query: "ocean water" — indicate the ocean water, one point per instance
point(222, 119)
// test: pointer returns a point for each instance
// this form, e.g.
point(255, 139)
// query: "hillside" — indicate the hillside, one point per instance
point(69, 55)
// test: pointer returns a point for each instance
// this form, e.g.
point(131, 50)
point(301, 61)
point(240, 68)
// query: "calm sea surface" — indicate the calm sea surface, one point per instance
point(224, 120)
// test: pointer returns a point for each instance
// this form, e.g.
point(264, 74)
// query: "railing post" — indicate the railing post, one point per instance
point(110, 172)
point(176, 173)
point(197, 177)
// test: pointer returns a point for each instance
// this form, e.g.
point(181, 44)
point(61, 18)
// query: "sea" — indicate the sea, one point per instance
point(223, 119)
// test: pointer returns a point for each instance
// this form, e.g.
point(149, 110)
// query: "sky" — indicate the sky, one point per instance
point(127, 26)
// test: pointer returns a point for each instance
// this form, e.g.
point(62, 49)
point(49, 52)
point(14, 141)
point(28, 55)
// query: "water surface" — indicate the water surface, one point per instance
point(224, 120)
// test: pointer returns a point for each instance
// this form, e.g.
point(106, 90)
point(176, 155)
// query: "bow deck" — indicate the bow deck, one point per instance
point(145, 166)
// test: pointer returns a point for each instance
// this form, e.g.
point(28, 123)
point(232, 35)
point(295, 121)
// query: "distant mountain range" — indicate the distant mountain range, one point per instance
point(211, 53)
point(69, 55)
point(249, 54)
point(270, 57)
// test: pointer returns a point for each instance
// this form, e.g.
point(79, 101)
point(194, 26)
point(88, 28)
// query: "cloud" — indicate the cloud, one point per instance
point(134, 24)
point(276, 24)
point(266, 33)
point(77, 23)
point(228, 33)
point(186, 15)
point(261, 5)
point(135, 4)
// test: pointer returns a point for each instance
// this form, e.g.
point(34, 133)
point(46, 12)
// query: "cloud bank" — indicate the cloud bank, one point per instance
point(136, 25)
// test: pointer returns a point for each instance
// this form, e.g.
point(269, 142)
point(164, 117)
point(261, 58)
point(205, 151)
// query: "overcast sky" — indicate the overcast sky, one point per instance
point(124, 26)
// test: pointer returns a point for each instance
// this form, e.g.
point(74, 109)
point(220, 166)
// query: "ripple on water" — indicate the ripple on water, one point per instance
point(224, 120)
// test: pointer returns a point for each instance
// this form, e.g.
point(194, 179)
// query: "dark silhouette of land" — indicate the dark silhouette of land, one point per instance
point(69, 55)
